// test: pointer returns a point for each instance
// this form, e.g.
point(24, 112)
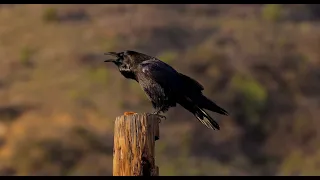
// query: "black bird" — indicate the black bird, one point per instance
point(165, 87)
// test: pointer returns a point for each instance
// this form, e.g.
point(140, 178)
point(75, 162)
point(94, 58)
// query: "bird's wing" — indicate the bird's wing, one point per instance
point(162, 73)
point(191, 83)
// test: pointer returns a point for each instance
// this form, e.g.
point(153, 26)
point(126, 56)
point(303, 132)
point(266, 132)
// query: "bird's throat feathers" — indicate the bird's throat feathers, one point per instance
point(128, 62)
point(127, 73)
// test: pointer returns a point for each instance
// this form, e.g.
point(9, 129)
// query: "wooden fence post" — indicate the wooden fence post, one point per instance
point(134, 145)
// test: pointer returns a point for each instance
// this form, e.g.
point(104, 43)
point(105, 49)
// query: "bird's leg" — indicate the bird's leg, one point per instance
point(157, 112)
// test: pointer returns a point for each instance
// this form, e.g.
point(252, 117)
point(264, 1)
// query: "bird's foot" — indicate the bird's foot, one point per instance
point(129, 113)
point(157, 114)
point(160, 116)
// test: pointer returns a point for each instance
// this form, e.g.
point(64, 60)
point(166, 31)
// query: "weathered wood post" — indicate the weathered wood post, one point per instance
point(134, 145)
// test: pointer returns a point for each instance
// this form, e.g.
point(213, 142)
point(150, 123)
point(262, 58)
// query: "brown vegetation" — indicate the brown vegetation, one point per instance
point(58, 100)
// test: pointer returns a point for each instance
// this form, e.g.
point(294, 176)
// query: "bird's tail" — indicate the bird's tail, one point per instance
point(206, 103)
point(199, 113)
point(206, 119)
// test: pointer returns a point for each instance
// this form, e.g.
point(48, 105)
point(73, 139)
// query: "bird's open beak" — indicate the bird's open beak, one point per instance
point(114, 54)
point(111, 54)
point(109, 60)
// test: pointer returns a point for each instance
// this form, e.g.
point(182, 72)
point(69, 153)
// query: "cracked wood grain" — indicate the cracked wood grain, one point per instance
point(134, 145)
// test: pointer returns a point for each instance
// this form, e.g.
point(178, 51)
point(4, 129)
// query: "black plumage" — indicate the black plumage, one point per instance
point(165, 87)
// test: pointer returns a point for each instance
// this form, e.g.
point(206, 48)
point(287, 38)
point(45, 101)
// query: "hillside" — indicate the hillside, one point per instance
point(58, 100)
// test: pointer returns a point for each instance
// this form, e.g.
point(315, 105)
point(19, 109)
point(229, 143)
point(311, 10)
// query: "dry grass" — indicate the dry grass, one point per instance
point(51, 60)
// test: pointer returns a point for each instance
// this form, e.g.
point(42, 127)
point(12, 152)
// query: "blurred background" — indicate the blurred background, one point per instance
point(59, 100)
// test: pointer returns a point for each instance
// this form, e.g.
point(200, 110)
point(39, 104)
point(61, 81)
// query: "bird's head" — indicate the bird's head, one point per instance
point(118, 58)
point(127, 59)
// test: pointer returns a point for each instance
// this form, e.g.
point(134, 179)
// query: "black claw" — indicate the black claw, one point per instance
point(157, 114)
point(149, 114)
point(162, 116)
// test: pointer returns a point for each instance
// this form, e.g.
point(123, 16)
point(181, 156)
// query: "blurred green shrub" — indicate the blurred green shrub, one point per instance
point(252, 90)
point(168, 56)
point(271, 12)
point(76, 94)
point(253, 95)
point(50, 15)
point(25, 56)
point(298, 163)
point(99, 75)
point(110, 44)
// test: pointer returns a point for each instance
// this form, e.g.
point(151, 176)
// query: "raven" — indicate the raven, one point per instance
point(165, 87)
